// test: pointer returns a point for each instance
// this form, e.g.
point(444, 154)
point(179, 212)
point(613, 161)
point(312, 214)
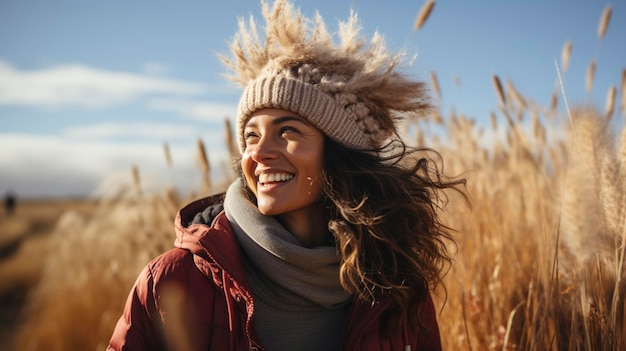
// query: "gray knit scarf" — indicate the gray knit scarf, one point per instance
point(298, 275)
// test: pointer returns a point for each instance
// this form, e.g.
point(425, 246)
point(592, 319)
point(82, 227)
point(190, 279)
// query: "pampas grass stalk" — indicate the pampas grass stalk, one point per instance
point(136, 179)
point(511, 91)
point(610, 102)
point(497, 85)
point(565, 55)
point(168, 155)
point(205, 166)
point(591, 72)
point(604, 22)
point(435, 83)
point(554, 100)
point(623, 91)
point(232, 147)
point(423, 15)
point(562, 86)
point(231, 141)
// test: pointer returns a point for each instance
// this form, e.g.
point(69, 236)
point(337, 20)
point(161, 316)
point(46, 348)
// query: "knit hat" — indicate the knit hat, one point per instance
point(351, 90)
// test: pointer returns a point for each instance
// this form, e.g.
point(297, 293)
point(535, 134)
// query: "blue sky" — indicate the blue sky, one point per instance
point(90, 88)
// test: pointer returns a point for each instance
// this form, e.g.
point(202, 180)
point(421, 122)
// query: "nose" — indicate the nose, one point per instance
point(264, 149)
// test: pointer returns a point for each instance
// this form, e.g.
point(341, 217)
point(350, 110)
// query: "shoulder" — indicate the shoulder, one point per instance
point(173, 264)
point(171, 259)
point(180, 271)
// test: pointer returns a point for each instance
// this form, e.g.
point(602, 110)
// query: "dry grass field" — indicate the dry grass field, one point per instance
point(539, 254)
point(24, 245)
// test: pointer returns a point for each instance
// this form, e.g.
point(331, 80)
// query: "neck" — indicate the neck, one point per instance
point(310, 227)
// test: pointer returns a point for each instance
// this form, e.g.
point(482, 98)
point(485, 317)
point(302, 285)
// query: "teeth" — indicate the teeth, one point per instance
point(274, 177)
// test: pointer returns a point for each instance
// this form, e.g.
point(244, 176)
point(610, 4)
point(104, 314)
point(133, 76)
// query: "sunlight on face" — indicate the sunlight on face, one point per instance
point(282, 162)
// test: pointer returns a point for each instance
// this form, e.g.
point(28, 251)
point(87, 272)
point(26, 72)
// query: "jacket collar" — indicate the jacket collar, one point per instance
point(215, 242)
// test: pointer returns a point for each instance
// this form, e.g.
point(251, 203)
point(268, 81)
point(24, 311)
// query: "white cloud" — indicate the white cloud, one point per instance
point(145, 130)
point(36, 165)
point(80, 85)
point(205, 111)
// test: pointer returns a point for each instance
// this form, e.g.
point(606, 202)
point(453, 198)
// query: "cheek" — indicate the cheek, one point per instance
point(316, 174)
point(247, 170)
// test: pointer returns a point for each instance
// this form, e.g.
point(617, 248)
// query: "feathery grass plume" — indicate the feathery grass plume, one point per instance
point(565, 55)
point(423, 15)
point(623, 91)
point(591, 72)
point(554, 100)
point(136, 179)
point(601, 241)
point(612, 194)
point(205, 166)
point(168, 155)
point(233, 150)
point(610, 102)
point(511, 91)
point(231, 142)
point(621, 227)
point(497, 85)
point(435, 84)
point(604, 21)
point(581, 231)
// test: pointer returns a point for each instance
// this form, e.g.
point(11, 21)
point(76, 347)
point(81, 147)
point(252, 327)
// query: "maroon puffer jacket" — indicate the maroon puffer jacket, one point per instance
point(196, 297)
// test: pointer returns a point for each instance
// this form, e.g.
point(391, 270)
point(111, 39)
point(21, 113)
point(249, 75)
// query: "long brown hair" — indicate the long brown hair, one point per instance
point(383, 207)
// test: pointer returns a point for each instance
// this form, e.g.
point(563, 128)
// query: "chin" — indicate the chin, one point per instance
point(267, 210)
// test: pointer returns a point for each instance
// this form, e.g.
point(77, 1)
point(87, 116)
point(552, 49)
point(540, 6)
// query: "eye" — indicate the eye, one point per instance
point(286, 130)
point(250, 137)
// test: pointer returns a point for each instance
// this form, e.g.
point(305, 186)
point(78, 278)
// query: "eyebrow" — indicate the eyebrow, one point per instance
point(282, 119)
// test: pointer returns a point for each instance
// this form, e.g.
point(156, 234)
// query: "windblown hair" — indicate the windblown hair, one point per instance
point(384, 218)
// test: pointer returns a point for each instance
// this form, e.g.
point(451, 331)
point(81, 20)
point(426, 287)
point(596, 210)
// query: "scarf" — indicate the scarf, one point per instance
point(284, 271)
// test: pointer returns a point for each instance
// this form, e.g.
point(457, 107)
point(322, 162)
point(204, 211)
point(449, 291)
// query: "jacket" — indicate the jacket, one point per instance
point(196, 297)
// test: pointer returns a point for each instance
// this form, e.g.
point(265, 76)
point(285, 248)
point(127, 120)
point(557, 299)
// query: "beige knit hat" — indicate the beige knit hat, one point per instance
point(352, 90)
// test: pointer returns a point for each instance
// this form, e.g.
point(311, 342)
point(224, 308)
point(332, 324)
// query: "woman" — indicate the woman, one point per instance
point(329, 239)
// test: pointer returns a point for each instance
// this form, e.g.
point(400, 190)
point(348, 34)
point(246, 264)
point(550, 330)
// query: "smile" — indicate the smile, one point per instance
point(266, 178)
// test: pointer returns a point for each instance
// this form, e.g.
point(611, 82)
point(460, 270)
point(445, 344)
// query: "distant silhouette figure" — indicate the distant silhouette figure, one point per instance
point(10, 201)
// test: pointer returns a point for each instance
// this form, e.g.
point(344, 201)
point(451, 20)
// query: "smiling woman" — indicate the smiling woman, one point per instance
point(282, 166)
point(330, 238)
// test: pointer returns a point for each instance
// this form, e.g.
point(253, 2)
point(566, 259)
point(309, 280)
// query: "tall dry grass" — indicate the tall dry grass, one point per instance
point(539, 255)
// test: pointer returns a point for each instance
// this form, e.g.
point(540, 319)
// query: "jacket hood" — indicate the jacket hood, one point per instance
point(203, 229)
point(192, 221)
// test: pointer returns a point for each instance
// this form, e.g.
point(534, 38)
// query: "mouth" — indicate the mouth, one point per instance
point(272, 178)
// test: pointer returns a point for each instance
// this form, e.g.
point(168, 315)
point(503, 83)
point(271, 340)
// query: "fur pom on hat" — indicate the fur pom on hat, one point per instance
point(351, 90)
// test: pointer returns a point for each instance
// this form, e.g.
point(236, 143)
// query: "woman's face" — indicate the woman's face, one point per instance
point(282, 162)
